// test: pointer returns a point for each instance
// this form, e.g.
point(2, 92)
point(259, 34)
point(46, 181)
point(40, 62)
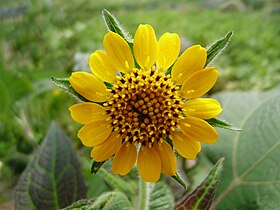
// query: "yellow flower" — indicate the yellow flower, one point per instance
point(144, 107)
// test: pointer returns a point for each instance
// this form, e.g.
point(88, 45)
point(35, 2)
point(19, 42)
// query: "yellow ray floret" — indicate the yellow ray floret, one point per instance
point(100, 65)
point(199, 83)
point(87, 112)
point(118, 52)
point(149, 164)
point(107, 149)
point(124, 159)
point(169, 48)
point(168, 161)
point(185, 146)
point(95, 133)
point(192, 60)
point(89, 86)
point(204, 108)
point(199, 130)
point(145, 46)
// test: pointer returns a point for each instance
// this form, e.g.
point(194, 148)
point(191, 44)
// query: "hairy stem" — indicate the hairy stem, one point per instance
point(144, 194)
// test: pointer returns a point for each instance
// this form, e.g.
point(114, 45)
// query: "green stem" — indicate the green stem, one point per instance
point(144, 194)
point(117, 182)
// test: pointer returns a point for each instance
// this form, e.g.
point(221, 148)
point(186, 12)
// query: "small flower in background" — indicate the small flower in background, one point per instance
point(143, 105)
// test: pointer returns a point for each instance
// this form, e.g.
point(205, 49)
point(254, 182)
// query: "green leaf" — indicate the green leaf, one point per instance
point(216, 48)
point(53, 177)
point(114, 25)
point(251, 169)
point(107, 201)
point(65, 85)
point(83, 204)
point(215, 122)
point(201, 197)
point(161, 197)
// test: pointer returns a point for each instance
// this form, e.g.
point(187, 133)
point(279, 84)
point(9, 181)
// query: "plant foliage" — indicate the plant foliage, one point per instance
point(251, 167)
point(53, 178)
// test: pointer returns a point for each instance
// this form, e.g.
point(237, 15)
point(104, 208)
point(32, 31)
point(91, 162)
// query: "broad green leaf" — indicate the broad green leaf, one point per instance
point(215, 122)
point(83, 204)
point(65, 85)
point(161, 197)
point(202, 196)
point(107, 201)
point(216, 48)
point(237, 104)
point(53, 178)
point(251, 170)
point(114, 25)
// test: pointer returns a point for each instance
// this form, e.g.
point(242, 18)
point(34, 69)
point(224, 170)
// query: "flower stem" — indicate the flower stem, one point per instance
point(144, 194)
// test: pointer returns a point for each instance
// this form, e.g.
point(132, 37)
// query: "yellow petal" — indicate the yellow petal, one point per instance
point(149, 164)
point(87, 112)
point(168, 160)
point(101, 67)
point(89, 86)
point(95, 133)
point(192, 60)
point(118, 52)
point(124, 159)
point(185, 146)
point(199, 83)
point(145, 46)
point(108, 148)
point(204, 108)
point(169, 48)
point(198, 129)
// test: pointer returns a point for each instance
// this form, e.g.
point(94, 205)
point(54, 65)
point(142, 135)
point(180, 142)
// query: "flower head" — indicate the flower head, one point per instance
point(144, 107)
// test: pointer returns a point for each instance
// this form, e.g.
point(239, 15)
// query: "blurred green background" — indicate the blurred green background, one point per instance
point(44, 38)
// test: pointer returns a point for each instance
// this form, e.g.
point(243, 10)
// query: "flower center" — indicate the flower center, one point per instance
point(145, 106)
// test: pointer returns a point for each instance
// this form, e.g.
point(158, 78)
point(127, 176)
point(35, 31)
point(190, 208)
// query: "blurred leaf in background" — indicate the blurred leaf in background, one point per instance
point(251, 169)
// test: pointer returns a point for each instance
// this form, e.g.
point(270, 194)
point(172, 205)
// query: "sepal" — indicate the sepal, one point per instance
point(215, 122)
point(64, 84)
point(114, 25)
point(216, 48)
